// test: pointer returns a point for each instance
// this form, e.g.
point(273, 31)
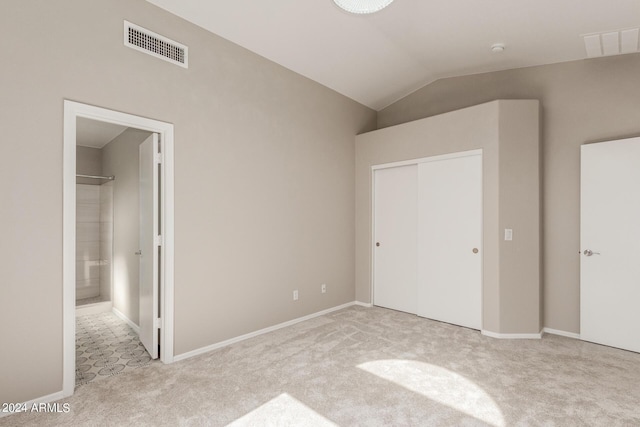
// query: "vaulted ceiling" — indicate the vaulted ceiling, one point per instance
point(377, 59)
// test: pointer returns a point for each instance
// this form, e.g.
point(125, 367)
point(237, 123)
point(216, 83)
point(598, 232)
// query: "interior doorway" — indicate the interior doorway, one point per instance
point(158, 255)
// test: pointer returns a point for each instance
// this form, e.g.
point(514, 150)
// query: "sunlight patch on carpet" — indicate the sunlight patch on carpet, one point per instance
point(283, 410)
point(440, 385)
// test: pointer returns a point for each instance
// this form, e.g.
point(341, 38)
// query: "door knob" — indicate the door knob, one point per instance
point(589, 252)
point(377, 243)
point(475, 250)
point(139, 252)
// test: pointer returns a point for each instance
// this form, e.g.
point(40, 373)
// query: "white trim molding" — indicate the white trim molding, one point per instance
point(99, 307)
point(512, 336)
point(230, 341)
point(129, 322)
point(363, 304)
point(561, 333)
point(437, 158)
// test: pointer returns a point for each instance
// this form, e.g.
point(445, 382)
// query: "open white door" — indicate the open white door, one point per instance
point(149, 244)
point(610, 243)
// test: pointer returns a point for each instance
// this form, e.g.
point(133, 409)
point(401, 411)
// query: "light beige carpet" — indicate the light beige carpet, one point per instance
point(369, 367)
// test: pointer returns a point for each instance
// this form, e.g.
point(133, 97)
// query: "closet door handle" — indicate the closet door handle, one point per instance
point(475, 250)
point(139, 252)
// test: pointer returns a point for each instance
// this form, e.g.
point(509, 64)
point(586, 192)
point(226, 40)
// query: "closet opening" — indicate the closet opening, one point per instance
point(427, 235)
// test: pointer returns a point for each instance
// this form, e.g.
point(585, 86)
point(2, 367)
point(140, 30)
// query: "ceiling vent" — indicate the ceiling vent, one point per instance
point(146, 41)
point(611, 42)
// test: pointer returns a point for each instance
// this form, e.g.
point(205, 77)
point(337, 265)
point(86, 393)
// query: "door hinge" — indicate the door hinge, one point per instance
point(159, 158)
point(158, 323)
point(158, 241)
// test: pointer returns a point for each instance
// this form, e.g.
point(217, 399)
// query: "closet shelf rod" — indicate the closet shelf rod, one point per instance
point(110, 178)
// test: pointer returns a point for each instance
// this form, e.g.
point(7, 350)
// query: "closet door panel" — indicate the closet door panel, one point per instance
point(450, 241)
point(395, 238)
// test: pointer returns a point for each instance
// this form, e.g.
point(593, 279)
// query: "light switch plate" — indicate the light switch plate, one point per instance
point(508, 234)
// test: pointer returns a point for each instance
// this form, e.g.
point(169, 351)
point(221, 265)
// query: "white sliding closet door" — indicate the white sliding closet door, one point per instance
point(450, 240)
point(395, 237)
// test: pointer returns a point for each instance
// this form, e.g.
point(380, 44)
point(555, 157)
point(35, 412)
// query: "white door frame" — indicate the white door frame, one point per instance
point(372, 251)
point(73, 110)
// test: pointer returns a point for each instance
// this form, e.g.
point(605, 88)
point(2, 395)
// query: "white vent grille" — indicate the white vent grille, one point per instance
point(616, 42)
point(146, 41)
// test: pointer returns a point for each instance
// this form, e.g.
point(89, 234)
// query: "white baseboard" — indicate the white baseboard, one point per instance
point(121, 315)
point(216, 346)
point(561, 333)
point(44, 399)
point(99, 307)
point(512, 336)
point(363, 304)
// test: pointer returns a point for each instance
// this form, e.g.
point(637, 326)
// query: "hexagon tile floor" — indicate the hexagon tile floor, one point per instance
point(106, 346)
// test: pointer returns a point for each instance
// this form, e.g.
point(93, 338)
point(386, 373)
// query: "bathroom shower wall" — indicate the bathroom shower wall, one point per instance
point(106, 239)
point(87, 241)
point(94, 227)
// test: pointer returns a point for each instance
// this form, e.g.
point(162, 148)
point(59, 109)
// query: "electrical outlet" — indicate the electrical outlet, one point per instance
point(323, 288)
point(295, 295)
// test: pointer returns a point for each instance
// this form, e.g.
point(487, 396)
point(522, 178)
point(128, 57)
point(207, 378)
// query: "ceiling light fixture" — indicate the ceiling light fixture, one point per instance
point(362, 7)
point(497, 48)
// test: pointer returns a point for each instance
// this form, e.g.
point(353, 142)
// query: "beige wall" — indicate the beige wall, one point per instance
point(519, 210)
point(582, 101)
point(120, 159)
point(507, 132)
point(264, 169)
point(88, 162)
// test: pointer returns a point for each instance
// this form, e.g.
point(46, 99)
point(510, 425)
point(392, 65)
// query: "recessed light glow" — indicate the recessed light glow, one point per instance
point(362, 7)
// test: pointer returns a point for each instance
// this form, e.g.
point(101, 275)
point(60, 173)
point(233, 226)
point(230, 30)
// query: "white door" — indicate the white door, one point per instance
point(395, 237)
point(149, 227)
point(610, 243)
point(450, 240)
